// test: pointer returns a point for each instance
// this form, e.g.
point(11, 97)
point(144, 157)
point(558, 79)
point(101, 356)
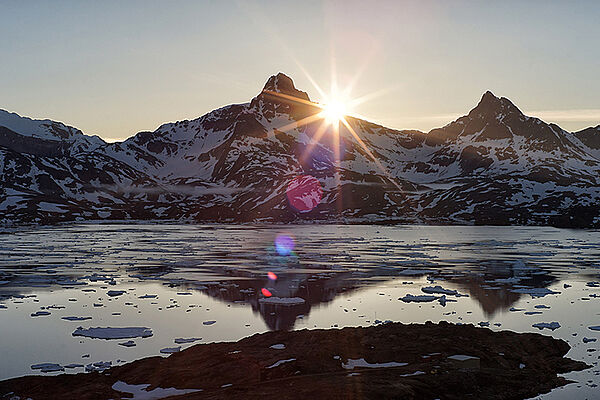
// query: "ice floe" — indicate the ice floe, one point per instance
point(535, 292)
point(48, 367)
point(278, 346)
point(113, 333)
point(186, 340)
point(594, 328)
point(76, 318)
point(439, 290)
point(170, 350)
point(40, 313)
point(547, 325)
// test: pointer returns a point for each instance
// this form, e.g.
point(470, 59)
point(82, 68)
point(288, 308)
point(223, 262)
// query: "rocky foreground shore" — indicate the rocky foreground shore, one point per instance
point(389, 361)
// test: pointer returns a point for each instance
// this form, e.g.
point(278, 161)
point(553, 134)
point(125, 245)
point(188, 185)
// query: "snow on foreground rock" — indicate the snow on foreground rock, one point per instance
point(113, 333)
point(141, 392)
point(386, 358)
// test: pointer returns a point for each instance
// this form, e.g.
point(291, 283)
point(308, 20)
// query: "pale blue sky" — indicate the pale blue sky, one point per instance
point(114, 68)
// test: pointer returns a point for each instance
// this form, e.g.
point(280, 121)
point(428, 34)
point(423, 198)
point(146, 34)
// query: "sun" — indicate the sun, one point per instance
point(334, 111)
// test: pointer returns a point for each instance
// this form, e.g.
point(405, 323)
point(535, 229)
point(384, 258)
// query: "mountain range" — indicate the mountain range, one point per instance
point(274, 160)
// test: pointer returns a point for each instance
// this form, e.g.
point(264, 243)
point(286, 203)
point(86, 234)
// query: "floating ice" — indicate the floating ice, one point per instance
point(439, 289)
point(76, 318)
point(535, 292)
point(98, 366)
point(278, 346)
point(170, 350)
point(40, 313)
point(71, 366)
point(189, 340)
point(48, 367)
point(283, 301)
point(594, 328)
point(547, 325)
point(113, 333)
point(409, 298)
point(361, 363)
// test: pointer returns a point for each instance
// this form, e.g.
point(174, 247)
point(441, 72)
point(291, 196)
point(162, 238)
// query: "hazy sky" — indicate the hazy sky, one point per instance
point(114, 68)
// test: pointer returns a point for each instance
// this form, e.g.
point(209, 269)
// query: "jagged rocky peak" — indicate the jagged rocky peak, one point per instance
point(493, 106)
point(269, 104)
point(281, 83)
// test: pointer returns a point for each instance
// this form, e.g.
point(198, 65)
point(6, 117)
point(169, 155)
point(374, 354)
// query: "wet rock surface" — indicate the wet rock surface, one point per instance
point(314, 364)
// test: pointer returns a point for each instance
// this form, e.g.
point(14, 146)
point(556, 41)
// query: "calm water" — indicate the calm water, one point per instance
point(343, 276)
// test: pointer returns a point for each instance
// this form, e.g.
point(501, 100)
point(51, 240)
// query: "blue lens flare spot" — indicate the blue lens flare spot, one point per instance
point(284, 245)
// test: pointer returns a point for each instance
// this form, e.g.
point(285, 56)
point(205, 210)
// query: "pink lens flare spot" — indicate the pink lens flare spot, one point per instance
point(265, 292)
point(272, 276)
point(284, 245)
point(304, 193)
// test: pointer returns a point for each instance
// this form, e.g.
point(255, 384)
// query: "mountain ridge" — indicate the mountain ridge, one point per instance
point(494, 165)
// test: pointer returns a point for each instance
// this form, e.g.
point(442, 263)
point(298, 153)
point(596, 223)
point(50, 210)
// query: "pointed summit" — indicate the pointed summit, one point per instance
point(281, 83)
point(280, 96)
point(492, 106)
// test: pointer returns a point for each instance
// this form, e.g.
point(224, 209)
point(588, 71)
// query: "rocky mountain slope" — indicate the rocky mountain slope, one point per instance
point(275, 160)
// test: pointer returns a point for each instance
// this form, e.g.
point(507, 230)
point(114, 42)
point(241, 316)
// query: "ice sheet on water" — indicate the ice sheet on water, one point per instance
point(40, 313)
point(535, 292)
point(439, 290)
point(421, 298)
point(170, 350)
point(278, 346)
point(113, 333)
point(48, 367)
point(547, 325)
point(139, 392)
point(594, 328)
point(188, 340)
point(76, 318)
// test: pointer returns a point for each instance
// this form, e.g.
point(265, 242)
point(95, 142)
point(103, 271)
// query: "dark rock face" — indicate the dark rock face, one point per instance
point(494, 165)
point(380, 362)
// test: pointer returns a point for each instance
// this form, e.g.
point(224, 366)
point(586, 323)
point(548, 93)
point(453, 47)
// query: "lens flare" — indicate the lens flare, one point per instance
point(272, 276)
point(265, 292)
point(284, 245)
point(304, 193)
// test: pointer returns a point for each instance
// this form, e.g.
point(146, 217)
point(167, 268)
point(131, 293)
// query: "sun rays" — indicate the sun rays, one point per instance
point(333, 117)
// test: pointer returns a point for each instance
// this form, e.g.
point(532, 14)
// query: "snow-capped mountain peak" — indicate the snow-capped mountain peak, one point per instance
point(237, 163)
